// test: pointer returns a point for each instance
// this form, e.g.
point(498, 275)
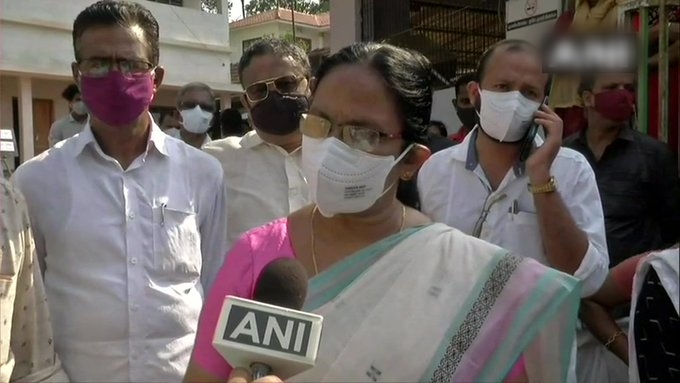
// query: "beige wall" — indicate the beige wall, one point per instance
point(194, 44)
point(345, 23)
point(318, 37)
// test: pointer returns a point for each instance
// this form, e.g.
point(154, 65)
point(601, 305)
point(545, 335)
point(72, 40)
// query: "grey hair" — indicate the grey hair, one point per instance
point(191, 87)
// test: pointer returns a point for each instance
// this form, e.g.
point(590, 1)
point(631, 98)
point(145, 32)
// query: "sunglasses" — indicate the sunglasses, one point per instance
point(357, 137)
point(260, 90)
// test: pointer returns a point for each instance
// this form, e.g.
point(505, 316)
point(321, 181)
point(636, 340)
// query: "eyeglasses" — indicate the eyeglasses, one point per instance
point(102, 67)
point(260, 90)
point(357, 137)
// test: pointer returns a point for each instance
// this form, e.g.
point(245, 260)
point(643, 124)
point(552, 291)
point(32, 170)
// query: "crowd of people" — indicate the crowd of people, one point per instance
point(477, 257)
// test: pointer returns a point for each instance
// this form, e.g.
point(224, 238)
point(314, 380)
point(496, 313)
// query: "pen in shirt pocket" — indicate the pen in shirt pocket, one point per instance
point(514, 209)
point(163, 205)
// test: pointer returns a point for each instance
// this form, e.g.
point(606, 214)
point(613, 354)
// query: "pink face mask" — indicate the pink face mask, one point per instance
point(115, 99)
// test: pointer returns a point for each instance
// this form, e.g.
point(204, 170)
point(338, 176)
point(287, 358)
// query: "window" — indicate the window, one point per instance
point(178, 3)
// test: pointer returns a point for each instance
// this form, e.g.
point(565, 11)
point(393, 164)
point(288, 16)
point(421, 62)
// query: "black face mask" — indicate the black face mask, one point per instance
point(279, 114)
point(467, 116)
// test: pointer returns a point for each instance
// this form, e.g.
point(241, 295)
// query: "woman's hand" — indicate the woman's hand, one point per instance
point(241, 375)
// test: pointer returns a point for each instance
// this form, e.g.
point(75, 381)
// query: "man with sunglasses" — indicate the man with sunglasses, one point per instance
point(128, 222)
point(196, 106)
point(262, 169)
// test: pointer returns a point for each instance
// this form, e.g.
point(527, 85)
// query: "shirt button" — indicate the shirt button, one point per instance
point(134, 307)
point(293, 192)
point(131, 216)
point(133, 261)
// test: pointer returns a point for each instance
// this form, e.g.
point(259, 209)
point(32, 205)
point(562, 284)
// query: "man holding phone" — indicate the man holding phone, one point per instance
point(547, 207)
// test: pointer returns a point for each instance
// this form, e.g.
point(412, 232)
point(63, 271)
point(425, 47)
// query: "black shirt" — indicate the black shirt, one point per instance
point(637, 176)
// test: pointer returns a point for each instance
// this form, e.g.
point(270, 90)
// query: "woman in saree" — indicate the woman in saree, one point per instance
point(649, 282)
point(403, 299)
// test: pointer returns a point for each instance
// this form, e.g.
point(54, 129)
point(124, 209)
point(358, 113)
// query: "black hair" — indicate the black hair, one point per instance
point(408, 76)
point(463, 80)
point(587, 83)
point(440, 126)
point(277, 47)
point(510, 45)
point(70, 92)
point(122, 13)
point(194, 86)
point(231, 123)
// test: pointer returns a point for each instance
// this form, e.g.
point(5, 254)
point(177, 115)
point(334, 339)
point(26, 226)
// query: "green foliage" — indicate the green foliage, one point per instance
point(210, 6)
point(304, 6)
point(304, 43)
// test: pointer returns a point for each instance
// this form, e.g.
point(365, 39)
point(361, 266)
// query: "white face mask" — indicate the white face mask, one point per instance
point(343, 180)
point(196, 120)
point(79, 108)
point(506, 116)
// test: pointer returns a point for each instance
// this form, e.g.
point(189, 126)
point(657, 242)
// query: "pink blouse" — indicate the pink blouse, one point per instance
point(253, 251)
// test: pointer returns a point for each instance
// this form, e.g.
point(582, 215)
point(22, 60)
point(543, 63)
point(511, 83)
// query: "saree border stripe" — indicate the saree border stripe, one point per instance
point(477, 307)
point(328, 284)
point(525, 336)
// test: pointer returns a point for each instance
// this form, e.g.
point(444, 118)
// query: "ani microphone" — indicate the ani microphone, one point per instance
point(270, 334)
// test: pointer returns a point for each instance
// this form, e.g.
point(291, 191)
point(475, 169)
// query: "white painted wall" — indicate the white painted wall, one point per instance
point(318, 37)
point(35, 39)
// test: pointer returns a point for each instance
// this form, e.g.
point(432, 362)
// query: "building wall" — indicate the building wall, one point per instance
point(194, 44)
point(238, 36)
point(318, 38)
point(345, 23)
point(36, 54)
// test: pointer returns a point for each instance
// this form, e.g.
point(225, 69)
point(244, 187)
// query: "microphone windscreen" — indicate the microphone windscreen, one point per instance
point(283, 282)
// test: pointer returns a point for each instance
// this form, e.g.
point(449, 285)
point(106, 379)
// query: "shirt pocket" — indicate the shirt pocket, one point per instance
point(523, 235)
point(177, 241)
point(7, 293)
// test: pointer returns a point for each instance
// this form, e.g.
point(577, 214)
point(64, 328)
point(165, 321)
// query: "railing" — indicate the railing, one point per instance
point(452, 34)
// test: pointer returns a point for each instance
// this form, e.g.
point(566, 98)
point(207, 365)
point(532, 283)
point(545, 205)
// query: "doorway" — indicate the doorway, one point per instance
point(43, 117)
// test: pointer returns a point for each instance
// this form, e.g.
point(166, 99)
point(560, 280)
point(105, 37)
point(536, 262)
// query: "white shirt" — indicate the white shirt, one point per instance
point(126, 254)
point(264, 182)
point(177, 134)
point(454, 190)
point(64, 128)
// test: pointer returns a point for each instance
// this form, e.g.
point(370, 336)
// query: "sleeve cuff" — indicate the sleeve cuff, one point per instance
point(592, 271)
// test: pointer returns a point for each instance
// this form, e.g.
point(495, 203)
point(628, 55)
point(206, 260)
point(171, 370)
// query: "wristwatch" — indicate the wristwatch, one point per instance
point(548, 187)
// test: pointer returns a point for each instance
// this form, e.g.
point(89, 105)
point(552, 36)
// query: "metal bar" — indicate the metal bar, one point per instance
point(292, 18)
point(643, 71)
point(663, 72)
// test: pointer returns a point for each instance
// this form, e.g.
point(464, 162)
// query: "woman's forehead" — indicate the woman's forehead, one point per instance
point(355, 93)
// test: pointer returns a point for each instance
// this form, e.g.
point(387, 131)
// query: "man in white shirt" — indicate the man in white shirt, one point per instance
point(547, 207)
point(196, 106)
point(262, 169)
point(74, 122)
point(129, 223)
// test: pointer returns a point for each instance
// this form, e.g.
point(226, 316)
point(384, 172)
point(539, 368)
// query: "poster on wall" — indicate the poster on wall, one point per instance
point(530, 19)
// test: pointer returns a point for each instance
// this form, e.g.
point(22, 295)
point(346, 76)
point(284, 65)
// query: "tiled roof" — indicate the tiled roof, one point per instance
point(320, 21)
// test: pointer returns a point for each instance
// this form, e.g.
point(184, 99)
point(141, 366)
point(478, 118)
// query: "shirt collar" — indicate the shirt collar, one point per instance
point(467, 152)
point(157, 139)
point(252, 139)
point(625, 134)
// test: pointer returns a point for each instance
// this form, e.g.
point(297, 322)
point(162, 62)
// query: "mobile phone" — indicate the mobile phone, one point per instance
point(528, 141)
